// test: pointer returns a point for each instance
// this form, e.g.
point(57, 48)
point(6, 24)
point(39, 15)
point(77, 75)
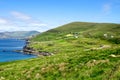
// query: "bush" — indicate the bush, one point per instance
point(115, 40)
point(50, 44)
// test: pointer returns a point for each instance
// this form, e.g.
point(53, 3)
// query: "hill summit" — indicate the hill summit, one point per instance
point(85, 29)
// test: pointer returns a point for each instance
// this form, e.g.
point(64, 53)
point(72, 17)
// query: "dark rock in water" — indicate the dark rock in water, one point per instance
point(17, 50)
point(4, 51)
point(29, 50)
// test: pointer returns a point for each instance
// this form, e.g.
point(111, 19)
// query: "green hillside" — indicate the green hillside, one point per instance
point(91, 30)
point(79, 51)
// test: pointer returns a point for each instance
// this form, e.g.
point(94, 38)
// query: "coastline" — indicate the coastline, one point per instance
point(29, 50)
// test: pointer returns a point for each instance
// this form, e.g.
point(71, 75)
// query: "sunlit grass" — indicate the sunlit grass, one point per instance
point(85, 57)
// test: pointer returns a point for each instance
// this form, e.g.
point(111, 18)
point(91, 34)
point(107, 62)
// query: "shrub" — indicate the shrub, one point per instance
point(115, 40)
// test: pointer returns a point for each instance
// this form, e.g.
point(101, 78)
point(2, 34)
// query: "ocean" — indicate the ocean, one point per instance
point(7, 48)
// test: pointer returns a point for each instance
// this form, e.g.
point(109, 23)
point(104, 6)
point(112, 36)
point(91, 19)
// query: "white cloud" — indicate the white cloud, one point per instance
point(20, 15)
point(25, 19)
point(107, 8)
point(3, 21)
point(21, 22)
point(37, 24)
point(105, 11)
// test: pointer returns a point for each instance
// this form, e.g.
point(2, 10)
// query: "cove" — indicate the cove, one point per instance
point(7, 48)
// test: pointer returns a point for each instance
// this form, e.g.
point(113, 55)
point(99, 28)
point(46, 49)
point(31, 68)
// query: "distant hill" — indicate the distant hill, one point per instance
point(18, 34)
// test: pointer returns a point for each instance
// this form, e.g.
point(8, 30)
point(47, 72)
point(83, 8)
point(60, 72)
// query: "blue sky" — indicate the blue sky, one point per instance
point(42, 15)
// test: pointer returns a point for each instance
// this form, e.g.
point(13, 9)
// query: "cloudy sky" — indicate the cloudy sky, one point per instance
point(41, 15)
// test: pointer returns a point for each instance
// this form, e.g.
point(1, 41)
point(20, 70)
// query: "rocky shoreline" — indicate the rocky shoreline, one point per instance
point(29, 50)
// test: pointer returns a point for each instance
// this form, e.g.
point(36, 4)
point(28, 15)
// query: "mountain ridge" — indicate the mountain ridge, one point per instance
point(18, 34)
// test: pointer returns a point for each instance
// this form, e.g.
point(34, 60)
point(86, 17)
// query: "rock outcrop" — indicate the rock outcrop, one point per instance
point(29, 50)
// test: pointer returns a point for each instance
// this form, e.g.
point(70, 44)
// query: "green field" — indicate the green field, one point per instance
point(80, 51)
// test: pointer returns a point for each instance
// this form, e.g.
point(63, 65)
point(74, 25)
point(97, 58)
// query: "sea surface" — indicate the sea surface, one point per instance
point(7, 48)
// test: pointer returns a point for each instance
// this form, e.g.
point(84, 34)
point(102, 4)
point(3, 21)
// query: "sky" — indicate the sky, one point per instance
point(42, 15)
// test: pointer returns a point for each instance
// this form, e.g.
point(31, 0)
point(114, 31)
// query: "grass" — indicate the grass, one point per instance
point(85, 57)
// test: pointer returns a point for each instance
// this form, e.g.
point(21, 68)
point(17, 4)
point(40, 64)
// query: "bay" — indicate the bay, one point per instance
point(7, 48)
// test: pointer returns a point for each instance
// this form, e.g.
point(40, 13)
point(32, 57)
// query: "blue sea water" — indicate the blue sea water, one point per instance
point(7, 47)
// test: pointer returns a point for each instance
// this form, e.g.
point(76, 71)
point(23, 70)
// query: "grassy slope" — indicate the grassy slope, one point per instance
point(91, 56)
point(82, 29)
